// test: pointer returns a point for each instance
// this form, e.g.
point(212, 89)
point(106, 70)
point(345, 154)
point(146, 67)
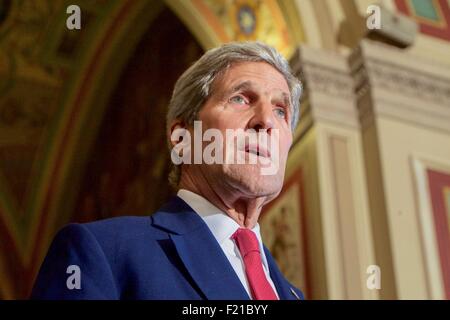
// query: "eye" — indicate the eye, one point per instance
point(238, 99)
point(280, 112)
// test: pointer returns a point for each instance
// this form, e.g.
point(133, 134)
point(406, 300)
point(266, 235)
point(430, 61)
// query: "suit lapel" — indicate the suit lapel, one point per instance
point(199, 251)
point(208, 266)
point(285, 291)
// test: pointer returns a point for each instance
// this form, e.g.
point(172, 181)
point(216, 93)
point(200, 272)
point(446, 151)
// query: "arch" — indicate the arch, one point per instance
point(84, 101)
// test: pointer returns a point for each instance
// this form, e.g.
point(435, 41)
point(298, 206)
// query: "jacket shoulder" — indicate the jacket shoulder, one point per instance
point(119, 225)
point(123, 231)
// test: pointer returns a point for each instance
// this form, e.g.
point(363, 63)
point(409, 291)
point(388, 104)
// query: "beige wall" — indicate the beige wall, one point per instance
point(330, 151)
point(399, 144)
point(369, 118)
point(379, 116)
point(405, 116)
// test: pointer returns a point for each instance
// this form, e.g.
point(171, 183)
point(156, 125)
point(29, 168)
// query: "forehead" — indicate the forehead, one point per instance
point(260, 75)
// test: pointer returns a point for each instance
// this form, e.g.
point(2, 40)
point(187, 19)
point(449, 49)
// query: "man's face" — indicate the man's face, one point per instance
point(250, 95)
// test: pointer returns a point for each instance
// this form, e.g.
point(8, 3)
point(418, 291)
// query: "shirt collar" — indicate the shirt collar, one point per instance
point(221, 225)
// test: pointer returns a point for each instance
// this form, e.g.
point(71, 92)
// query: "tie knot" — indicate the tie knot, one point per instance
point(246, 241)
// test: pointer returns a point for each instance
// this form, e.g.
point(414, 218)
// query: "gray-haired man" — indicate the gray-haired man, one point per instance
point(205, 243)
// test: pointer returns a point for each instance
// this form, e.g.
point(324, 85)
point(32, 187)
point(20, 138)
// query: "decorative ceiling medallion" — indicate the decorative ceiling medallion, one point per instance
point(249, 20)
point(246, 19)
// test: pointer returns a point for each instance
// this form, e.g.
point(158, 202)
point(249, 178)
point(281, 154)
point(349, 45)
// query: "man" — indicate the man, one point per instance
point(205, 243)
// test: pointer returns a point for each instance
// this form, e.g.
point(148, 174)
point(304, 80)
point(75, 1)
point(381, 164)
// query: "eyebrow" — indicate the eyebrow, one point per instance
point(286, 99)
point(245, 85)
point(241, 86)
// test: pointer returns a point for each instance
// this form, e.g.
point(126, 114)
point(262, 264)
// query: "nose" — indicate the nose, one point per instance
point(263, 117)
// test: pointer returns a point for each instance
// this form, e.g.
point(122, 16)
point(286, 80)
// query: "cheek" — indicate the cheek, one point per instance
point(206, 119)
point(217, 120)
point(228, 120)
point(285, 145)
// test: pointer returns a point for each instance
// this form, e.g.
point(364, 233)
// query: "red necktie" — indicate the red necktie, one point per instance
point(249, 248)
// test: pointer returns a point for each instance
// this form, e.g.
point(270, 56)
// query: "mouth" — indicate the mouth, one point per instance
point(257, 150)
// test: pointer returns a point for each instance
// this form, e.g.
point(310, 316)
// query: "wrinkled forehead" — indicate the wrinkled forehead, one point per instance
point(249, 75)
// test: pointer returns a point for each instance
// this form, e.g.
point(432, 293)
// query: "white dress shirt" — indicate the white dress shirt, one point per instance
point(223, 227)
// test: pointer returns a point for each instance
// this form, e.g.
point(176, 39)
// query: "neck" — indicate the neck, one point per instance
point(244, 210)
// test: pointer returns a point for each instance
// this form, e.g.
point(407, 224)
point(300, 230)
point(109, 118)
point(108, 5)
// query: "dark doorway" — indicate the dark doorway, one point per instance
point(127, 170)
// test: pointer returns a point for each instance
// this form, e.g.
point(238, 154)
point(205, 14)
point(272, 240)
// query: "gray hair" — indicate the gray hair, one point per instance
point(194, 86)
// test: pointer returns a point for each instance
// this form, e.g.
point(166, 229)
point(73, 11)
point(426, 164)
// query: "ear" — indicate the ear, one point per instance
point(176, 124)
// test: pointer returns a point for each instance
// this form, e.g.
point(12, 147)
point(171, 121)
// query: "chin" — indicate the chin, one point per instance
point(249, 179)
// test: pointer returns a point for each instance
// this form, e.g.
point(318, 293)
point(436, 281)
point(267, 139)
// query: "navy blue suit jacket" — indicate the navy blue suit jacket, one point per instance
point(170, 255)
